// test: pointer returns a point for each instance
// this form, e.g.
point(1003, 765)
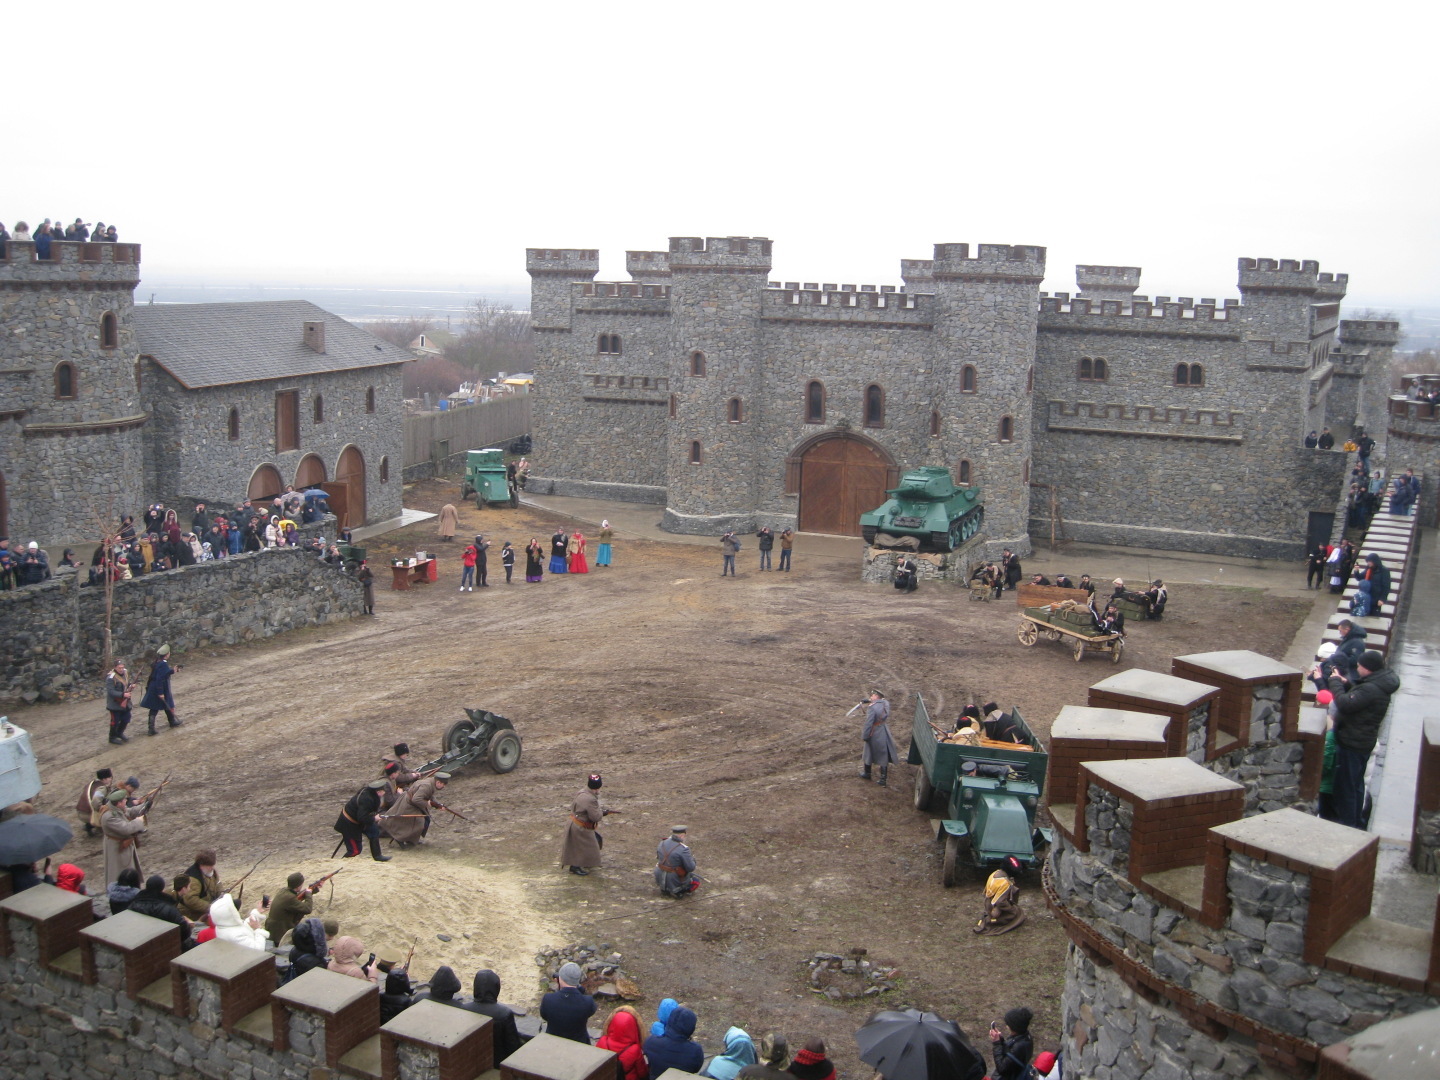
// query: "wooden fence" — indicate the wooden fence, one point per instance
point(432, 437)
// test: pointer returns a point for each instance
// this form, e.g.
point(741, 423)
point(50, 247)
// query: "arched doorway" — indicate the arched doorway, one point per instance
point(311, 473)
point(265, 483)
point(350, 471)
point(840, 477)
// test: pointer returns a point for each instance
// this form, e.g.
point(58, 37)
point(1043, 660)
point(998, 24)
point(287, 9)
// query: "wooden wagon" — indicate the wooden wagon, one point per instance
point(1038, 622)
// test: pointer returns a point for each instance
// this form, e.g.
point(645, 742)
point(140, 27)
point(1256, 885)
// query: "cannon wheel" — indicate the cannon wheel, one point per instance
point(458, 736)
point(955, 849)
point(1079, 651)
point(1027, 633)
point(1117, 650)
point(504, 752)
point(924, 789)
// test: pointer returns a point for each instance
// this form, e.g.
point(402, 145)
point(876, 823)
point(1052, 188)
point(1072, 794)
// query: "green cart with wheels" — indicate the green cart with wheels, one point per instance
point(482, 735)
point(989, 820)
point(487, 478)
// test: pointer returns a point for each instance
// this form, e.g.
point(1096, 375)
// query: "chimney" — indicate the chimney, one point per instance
point(315, 336)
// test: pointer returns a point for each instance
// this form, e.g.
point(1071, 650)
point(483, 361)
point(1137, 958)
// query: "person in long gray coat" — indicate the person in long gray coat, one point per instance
point(879, 744)
point(675, 865)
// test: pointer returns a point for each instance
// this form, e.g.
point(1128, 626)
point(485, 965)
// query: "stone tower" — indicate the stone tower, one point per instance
point(71, 416)
point(986, 323)
point(716, 288)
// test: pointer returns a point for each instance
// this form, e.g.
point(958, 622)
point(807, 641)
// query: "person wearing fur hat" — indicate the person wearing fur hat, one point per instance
point(308, 947)
point(567, 1009)
point(403, 776)
point(359, 819)
point(581, 849)
point(1013, 1051)
point(122, 830)
point(675, 866)
point(158, 695)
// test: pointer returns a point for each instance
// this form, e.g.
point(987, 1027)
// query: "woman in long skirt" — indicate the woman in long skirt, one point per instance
point(558, 549)
point(534, 553)
point(576, 548)
point(602, 553)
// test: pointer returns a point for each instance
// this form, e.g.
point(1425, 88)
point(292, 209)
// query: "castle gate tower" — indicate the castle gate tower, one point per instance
point(70, 406)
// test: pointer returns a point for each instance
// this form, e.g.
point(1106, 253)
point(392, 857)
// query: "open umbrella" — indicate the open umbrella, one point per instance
point(315, 493)
point(907, 1044)
point(28, 838)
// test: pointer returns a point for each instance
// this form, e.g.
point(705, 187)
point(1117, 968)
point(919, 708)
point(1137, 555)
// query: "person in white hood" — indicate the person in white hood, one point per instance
point(230, 927)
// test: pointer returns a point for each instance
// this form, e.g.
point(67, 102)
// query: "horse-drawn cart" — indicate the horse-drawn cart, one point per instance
point(1038, 622)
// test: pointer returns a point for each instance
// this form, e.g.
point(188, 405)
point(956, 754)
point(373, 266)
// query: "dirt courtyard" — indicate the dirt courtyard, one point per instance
point(715, 703)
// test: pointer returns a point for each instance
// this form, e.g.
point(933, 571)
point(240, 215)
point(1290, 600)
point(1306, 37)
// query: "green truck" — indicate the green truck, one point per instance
point(929, 506)
point(989, 821)
point(487, 478)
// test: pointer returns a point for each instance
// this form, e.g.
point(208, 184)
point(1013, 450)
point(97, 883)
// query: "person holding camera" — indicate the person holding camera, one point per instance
point(1012, 1052)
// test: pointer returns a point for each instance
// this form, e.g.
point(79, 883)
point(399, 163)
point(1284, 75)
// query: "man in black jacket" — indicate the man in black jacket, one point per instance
point(154, 902)
point(1013, 1051)
point(1361, 702)
point(486, 1002)
point(358, 819)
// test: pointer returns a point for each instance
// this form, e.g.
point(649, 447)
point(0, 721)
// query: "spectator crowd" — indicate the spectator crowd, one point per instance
point(47, 232)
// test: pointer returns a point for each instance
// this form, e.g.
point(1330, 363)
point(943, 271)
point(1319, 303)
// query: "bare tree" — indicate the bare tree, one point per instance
point(400, 332)
point(494, 339)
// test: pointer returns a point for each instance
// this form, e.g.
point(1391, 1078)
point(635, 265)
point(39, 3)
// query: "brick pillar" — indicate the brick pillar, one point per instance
point(128, 951)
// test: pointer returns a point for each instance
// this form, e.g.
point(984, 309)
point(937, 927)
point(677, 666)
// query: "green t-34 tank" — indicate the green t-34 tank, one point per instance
point(929, 506)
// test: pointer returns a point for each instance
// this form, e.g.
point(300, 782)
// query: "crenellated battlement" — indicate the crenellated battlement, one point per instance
point(1002, 262)
point(578, 262)
point(1332, 286)
point(884, 304)
point(70, 263)
point(1369, 332)
point(1286, 275)
point(620, 290)
point(720, 254)
point(647, 264)
point(1107, 280)
point(1062, 312)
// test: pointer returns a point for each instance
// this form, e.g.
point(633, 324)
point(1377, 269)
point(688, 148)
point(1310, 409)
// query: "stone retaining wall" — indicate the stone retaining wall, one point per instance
point(54, 631)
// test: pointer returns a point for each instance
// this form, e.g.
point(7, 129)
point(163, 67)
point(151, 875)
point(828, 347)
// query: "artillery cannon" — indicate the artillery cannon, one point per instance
point(929, 506)
point(484, 735)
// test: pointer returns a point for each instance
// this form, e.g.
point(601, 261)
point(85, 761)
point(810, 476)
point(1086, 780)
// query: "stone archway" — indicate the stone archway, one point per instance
point(265, 483)
point(839, 476)
point(310, 474)
point(350, 471)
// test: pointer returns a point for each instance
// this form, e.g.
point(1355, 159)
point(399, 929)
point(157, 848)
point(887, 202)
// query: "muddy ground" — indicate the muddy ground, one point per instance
point(715, 703)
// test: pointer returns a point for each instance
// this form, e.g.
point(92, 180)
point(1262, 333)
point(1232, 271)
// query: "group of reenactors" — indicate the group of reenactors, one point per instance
point(580, 850)
point(400, 804)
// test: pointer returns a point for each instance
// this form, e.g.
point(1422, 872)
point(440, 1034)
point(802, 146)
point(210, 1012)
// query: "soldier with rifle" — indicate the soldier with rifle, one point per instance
point(359, 819)
point(402, 776)
point(410, 819)
point(292, 904)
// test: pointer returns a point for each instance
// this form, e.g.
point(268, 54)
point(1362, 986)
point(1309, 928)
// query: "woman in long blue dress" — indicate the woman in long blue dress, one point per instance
point(559, 544)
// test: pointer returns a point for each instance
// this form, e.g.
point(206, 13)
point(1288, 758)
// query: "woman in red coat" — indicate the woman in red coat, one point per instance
point(622, 1037)
point(578, 562)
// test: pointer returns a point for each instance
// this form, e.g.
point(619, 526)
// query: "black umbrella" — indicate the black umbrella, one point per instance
point(907, 1044)
point(28, 838)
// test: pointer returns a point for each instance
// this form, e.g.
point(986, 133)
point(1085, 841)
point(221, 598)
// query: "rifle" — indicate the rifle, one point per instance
point(150, 795)
point(410, 956)
point(314, 886)
point(238, 888)
point(461, 816)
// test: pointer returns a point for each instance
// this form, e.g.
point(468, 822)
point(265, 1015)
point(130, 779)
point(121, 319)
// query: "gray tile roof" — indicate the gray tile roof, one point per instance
point(220, 344)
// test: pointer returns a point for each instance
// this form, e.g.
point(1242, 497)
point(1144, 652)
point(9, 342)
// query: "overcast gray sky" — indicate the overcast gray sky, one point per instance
point(433, 142)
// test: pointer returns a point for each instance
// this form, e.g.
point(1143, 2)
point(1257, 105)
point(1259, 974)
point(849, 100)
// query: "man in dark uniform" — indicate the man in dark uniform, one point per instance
point(675, 865)
point(879, 744)
point(402, 776)
point(358, 819)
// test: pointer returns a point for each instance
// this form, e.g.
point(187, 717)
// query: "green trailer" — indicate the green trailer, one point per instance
point(487, 478)
point(989, 821)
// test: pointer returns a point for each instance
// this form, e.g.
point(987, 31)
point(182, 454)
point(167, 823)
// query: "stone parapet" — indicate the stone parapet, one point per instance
point(1259, 698)
point(127, 952)
point(426, 1042)
point(219, 983)
point(548, 1057)
point(42, 924)
point(1189, 705)
point(323, 1015)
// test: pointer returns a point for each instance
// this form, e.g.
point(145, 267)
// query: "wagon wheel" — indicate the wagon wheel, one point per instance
point(1115, 652)
point(1053, 635)
point(1027, 633)
point(458, 737)
point(1079, 650)
point(504, 752)
point(952, 868)
point(924, 790)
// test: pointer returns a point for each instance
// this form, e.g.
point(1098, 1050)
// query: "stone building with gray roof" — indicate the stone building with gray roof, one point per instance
point(106, 407)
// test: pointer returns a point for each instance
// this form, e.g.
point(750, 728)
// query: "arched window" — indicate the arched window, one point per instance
point(674, 405)
point(1189, 375)
point(967, 379)
point(1007, 429)
point(1101, 369)
point(370, 399)
point(610, 344)
point(319, 408)
point(1087, 368)
point(384, 470)
point(233, 425)
point(734, 411)
point(65, 382)
point(962, 473)
point(815, 403)
point(695, 452)
point(109, 330)
point(934, 425)
point(697, 363)
point(874, 406)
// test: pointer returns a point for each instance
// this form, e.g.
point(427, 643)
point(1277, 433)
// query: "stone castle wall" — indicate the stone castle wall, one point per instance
point(1136, 458)
point(54, 630)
